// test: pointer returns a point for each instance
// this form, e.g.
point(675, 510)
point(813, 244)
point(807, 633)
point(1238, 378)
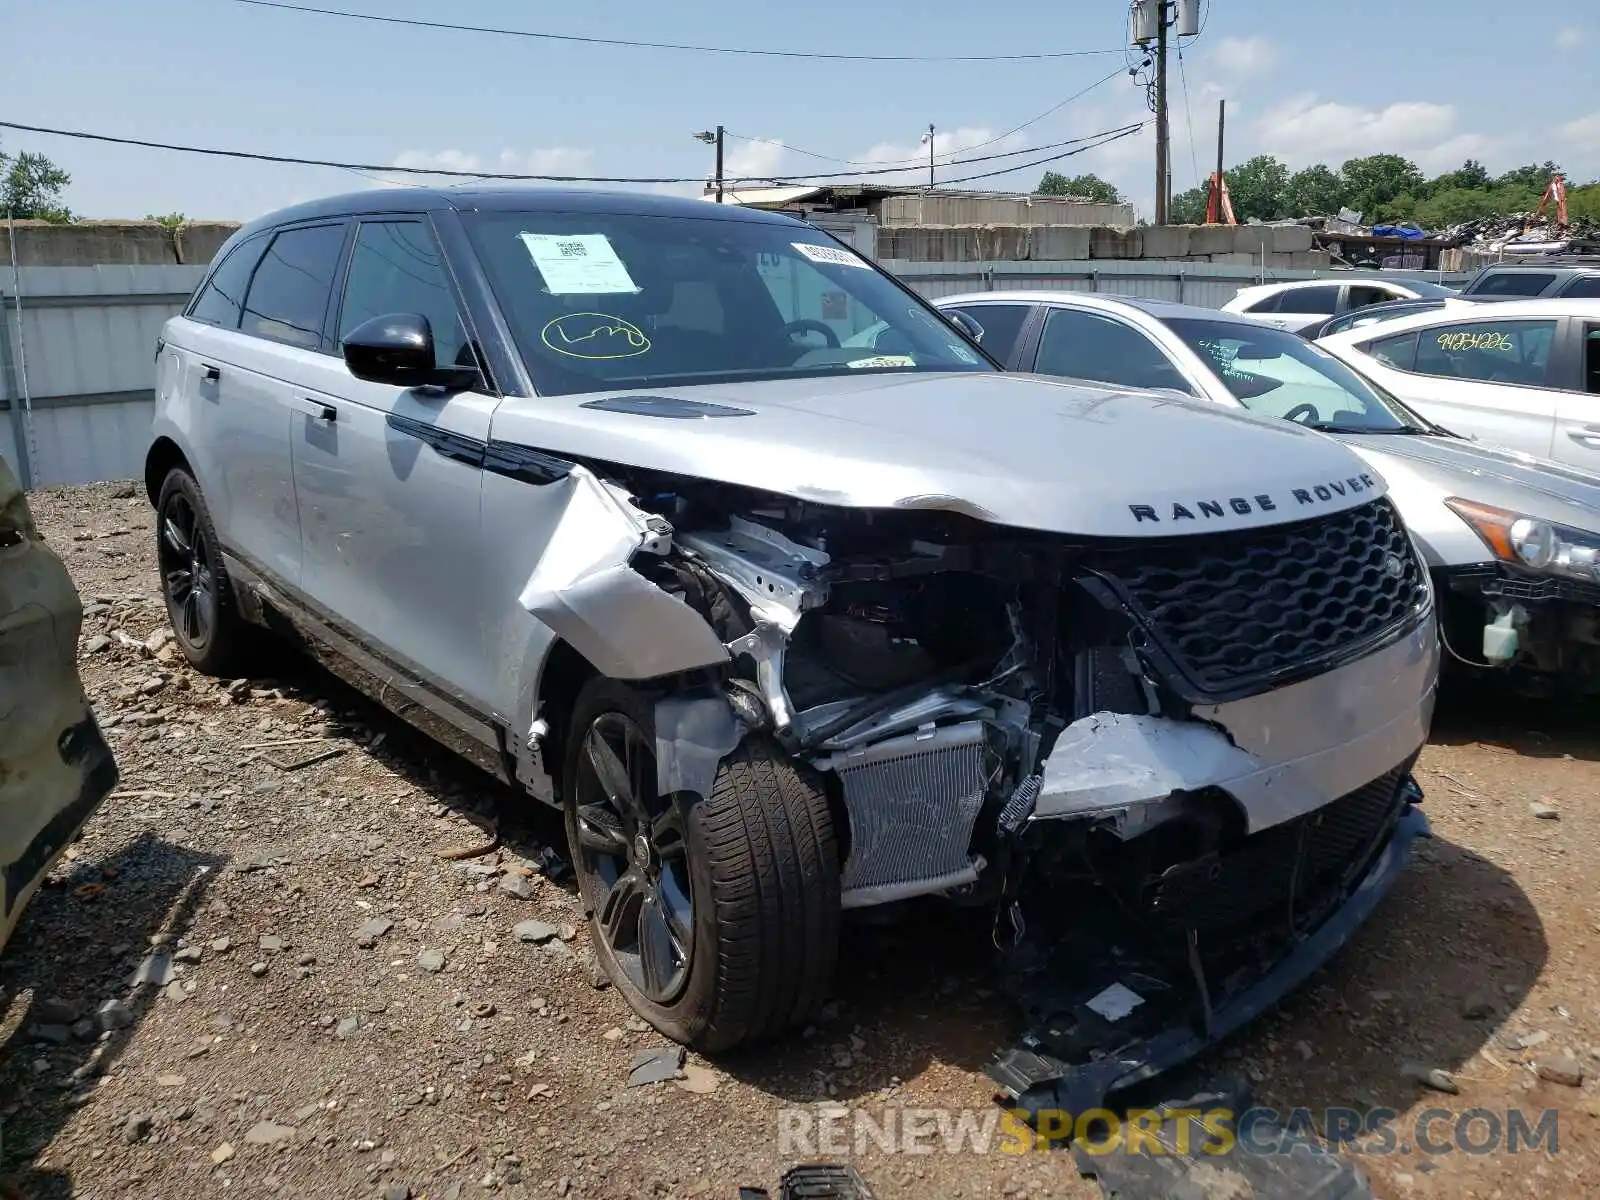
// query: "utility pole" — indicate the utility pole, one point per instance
point(1162, 148)
point(705, 135)
point(1222, 120)
point(930, 157)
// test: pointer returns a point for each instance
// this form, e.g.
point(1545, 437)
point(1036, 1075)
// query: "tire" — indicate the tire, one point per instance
point(761, 867)
point(205, 619)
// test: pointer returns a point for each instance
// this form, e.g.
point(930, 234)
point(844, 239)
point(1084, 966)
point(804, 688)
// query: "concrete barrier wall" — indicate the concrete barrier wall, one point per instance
point(1278, 246)
point(113, 243)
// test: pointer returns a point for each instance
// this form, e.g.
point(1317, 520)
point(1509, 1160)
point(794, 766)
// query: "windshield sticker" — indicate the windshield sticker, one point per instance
point(578, 264)
point(594, 336)
point(1492, 340)
point(834, 256)
point(882, 360)
point(961, 352)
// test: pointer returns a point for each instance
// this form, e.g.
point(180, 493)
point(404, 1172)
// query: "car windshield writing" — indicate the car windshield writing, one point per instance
point(601, 301)
point(1281, 375)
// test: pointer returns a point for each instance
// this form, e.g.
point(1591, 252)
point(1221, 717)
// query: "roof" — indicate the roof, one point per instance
point(1163, 310)
point(1504, 309)
point(765, 196)
point(509, 199)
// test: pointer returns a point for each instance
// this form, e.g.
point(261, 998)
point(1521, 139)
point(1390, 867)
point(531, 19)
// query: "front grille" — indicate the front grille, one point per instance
point(1238, 611)
point(1280, 874)
point(912, 802)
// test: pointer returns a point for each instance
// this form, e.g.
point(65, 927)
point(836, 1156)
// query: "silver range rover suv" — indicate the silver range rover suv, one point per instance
point(594, 489)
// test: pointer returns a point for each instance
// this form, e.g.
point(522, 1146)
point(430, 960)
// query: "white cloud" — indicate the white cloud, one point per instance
point(1244, 55)
point(1583, 131)
point(1569, 37)
point(556, 160)
point(755, 159)
point(1303, 130)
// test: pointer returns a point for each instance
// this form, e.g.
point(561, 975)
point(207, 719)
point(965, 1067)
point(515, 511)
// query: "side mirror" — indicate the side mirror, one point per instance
point(966, 324)
point(397, 349)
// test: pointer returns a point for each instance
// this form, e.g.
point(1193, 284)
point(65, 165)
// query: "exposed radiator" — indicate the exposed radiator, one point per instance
point(913, 802)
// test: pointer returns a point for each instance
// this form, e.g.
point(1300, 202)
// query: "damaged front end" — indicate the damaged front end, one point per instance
point(1174, 768)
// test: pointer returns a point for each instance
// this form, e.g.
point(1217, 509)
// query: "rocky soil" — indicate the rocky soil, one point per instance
point(277, 965)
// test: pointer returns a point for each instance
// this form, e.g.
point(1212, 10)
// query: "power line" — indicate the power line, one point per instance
point(899, 166)
point(1188, 114)
point(255, 156)
point(1054, 108)
point(683, 46)
point(1106, 139)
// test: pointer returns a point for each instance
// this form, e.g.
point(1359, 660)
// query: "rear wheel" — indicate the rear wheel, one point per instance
point(200, 605)
point(716, 916)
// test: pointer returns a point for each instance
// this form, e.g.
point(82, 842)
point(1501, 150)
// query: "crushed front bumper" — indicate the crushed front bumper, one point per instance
point(1546, 628)
point(1041, 1074)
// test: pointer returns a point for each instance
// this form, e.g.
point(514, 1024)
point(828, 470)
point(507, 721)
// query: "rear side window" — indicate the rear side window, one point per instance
point(1584, 287)
point(1511, 283)
point(221, 300)
point(396, 268)
point(1399, 352)
point(288, 298)
point(1270, 304)
point(1002, 325)
point(1360, 297)
point(1487, 351)
point(1320, 301)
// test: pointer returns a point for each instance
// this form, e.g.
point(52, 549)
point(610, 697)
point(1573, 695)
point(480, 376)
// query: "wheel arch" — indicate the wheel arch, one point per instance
point(159, 460)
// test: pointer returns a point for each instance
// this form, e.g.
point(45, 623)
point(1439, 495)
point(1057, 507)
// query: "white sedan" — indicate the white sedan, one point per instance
point(1524, 374)
point(1301, 303)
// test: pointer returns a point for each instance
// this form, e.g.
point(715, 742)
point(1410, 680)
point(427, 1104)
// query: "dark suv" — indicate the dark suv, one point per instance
point(1524, 281)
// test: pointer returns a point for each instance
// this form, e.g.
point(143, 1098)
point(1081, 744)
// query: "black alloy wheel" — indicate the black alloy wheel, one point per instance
point(188, 572)
point(634, 850)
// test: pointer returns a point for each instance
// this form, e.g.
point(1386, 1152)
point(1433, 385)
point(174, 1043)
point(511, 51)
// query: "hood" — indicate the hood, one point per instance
point(1446, 466)
point(1014, 450)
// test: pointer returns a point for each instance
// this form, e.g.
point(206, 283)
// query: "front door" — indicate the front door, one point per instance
point(389, 484)
point(1577, 439)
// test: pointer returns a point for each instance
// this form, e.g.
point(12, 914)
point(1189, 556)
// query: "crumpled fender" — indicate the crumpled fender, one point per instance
point(585, 590)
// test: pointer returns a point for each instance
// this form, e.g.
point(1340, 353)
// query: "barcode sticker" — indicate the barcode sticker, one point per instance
point(832, 255)
point(578, 264)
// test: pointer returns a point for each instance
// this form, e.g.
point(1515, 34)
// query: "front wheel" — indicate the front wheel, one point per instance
point(716, 916)
point(210, 632)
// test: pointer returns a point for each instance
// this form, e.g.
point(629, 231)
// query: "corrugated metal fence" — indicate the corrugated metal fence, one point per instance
point(79, 348)
point(77, 367)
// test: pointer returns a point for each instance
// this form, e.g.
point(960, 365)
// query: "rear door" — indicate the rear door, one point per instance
point(1577, 436)
point(1487, 378)
point(1079, 344)
point(389, 480)
point(1303, 306)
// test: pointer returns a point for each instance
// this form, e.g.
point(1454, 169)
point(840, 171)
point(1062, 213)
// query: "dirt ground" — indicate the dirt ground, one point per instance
point(351, 1014)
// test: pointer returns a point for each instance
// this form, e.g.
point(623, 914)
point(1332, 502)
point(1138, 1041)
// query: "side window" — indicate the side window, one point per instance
point(1270, 304)
point(1360, 296)
point(1584, 287)
point(289, 295)
point(1321, 301)
point(1086, 345)
point(1399, 352)
point(1591, 359)
point(395, 268)
point(221, 300)
point(1002, 325)
point(1512, 283)
point(1489, 351)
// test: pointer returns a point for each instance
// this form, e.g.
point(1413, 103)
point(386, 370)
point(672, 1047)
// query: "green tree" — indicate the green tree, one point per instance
point(31, 187)
point(1256, 187)
point(1376, 180)
point(171, 220)
point(1189, 208)
point(1453, 205)
point(1084, 187)
point(1470, 176)
point(1314, 192)
point(1534, 176)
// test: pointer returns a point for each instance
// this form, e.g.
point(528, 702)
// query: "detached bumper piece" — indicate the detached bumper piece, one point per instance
point(1194, 952)
point(1543, 630)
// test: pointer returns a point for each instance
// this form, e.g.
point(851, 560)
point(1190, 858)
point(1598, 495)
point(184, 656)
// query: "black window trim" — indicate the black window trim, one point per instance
point(1554, 367)
point(323, 347)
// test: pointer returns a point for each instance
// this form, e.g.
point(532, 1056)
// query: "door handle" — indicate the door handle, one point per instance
point(315, 409)
point(1588, 436)
point(210, 373)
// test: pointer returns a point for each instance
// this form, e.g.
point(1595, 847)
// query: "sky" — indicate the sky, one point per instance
point(1445, 81)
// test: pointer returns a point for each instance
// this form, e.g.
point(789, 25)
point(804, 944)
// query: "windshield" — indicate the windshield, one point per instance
point(1278, 374)
point(600, 301)
point(1430, 290)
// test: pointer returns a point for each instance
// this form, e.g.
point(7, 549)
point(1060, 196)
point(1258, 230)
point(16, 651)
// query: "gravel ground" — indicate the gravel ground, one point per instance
point(339, 1006)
